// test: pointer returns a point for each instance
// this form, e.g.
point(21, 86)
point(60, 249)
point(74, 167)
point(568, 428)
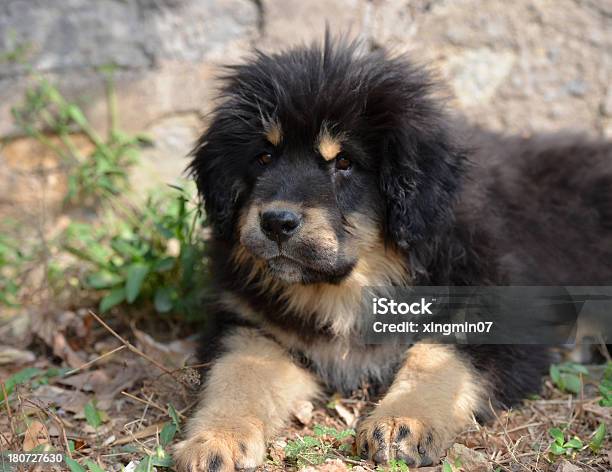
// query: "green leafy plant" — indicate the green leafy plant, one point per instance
point(92, 466)
point(74, 466)
point(605, 386)
point(598, 438)
point(32, 376)
point(315, 450)
point(173, 414)
point(560, 446)
point(93, 415)
point(97, 174)
point(12, 259)
point(148, 255)
point(568, 376)
point(395, 465)
point(161, 457)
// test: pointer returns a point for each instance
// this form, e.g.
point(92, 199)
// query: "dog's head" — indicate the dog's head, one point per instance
point(317, 155)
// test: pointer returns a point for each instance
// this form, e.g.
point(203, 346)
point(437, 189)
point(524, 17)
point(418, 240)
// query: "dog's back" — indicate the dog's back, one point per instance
point(549, 199)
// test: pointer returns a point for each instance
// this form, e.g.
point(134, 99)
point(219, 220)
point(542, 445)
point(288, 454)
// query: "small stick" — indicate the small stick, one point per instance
point(8, 409)
point(518, 428)
point(144, 413)
point(150, 403)
point(188, 407)
point(57, 419)
point(133, 348)
point(87, 364)
point(148, 431)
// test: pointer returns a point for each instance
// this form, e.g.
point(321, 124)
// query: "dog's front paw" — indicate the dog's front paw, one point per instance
point(386, 438)
point(221, 449)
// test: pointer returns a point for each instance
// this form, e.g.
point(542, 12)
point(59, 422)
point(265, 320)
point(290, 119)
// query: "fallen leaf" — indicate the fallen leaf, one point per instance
point(123, 380)
point(131, 467)
point(303, 412)
point(347, 416)
point(35, 435)
point(87, 381)
point(6, 439)
point(469, 459)
point(70, 400)
point(11, 355)
point(566, 466)
point(174, 354)
point(62, 350)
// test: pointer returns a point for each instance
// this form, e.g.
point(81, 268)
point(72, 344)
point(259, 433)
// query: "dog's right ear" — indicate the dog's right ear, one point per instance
point(215, 180)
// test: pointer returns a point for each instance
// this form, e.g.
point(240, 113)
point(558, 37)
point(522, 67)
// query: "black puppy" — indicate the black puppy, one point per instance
point(326, 169)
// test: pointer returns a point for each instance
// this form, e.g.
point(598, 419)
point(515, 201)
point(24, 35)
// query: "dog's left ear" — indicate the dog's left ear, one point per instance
point(420, 165)
point(419, 179)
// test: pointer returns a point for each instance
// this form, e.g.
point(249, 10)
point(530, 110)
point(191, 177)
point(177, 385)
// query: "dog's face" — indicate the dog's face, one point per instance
point(310, 191)
point(319, 155)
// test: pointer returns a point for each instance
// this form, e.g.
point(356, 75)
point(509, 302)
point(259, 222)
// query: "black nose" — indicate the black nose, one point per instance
point(279, 225)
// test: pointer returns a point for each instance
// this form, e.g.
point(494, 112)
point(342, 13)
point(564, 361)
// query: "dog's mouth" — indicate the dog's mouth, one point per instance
point(286, 268)
point(292, 270)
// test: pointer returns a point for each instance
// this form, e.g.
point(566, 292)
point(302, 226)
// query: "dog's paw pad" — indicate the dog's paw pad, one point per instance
point(220, 451)
point(385, 439)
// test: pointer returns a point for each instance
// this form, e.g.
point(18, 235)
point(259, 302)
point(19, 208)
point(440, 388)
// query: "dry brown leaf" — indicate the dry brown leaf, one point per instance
point(303, 412)
point(6, 439)
point(347, 416)
point(62, 350)
point(470, 459)
point(70, 400)
point(92, 381)
point(604, 412)
point(174, 354)
point(11, 355)
point(125, 379)
point(566, 466)
point(35, 435)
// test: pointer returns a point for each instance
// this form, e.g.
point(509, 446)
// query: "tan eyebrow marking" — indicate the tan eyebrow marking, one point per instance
point(273, 133)
point(329, 146)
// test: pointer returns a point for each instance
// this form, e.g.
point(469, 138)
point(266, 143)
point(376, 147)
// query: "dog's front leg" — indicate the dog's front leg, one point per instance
point(433, 397)
point(250, 392)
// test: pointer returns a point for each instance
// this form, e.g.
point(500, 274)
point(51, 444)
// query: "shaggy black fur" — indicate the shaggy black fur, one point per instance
point(508, 211)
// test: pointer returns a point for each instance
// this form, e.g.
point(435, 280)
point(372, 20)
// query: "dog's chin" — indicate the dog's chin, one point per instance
point(291, 271)
point(286, 270)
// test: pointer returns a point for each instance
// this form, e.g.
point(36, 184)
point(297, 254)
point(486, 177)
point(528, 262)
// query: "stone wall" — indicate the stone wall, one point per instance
point(519, 66)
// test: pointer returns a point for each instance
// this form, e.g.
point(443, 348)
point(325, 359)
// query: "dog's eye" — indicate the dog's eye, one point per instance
point(264, 158)
point(343, 163)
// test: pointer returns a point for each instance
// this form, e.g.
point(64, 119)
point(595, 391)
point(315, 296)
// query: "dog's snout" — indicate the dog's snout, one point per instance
point(279, 225)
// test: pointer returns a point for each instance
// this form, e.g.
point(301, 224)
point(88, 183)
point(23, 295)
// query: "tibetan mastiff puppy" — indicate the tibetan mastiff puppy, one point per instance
point(329, 168)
